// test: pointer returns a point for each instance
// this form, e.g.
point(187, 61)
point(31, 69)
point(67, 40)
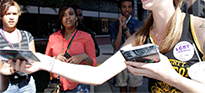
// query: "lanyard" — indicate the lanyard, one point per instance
point(66, 53)
point(11, 45)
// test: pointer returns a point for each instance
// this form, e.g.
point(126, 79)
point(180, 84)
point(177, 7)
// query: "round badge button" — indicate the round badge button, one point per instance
point(183, 51)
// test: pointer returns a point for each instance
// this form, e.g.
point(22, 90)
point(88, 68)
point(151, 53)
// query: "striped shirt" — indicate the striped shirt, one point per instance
point(24, 41)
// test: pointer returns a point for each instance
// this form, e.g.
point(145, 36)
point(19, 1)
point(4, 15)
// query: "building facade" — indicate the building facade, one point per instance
point(98, 14)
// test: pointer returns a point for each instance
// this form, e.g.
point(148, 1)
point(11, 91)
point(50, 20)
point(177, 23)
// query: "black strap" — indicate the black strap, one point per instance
point(66, 52)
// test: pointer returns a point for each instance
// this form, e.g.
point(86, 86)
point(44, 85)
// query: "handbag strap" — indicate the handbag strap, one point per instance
point(71, 40)
point(66, 53)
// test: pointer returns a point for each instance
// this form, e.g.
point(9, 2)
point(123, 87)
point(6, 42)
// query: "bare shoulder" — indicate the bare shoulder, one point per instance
point(199, 25)
point(199, 28)
point(199, 22)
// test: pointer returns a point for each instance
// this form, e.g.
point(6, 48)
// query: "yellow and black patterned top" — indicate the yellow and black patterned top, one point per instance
point(182, 56)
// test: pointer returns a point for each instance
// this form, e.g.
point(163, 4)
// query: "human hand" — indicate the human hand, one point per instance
point(162, 70)
point(6, 69)
point(46, 63)
point(23, 66)
point(76, 59)
point(122, 21)
point(61, 57)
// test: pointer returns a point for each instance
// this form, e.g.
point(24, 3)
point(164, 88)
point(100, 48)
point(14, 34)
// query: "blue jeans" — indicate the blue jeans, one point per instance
point(81, 88)
point(26, 88)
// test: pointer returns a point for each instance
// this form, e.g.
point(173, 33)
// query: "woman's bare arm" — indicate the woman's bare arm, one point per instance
point(4, 80)
point(79, 73)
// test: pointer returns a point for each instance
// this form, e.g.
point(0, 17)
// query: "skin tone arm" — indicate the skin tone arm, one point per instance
point(118, 39)
point(32, 46)
point(4, 80)
point(111, 67)
point(104, 72)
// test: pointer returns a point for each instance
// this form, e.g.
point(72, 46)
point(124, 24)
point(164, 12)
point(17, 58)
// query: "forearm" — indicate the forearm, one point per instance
point(4, 82)
point(32, 46)
point(186, 85)
point(127, 34)
point(88, 60)
point(89, 56)
point(126, 31)
point(118, 39)
point(87, 74)
point(117, 44)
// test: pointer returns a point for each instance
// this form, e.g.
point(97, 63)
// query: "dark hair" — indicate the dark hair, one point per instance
point(5, 4)
point(120, 2)
point(61, 12)
point(77, 7)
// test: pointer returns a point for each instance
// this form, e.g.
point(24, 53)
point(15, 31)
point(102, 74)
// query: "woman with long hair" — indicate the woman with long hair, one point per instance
point(176, 34)
point(71, 45)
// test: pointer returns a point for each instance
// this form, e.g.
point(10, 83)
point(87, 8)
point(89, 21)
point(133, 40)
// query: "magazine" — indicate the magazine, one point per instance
point(147, 53)
point(22, 55)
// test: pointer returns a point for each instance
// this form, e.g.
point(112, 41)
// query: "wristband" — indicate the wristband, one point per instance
point(53, 61)
point(125, 29)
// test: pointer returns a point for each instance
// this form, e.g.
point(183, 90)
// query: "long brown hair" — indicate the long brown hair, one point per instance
point(173, 30)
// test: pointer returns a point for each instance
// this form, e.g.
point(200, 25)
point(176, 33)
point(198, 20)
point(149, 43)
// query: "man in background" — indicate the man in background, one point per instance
point(120, 30)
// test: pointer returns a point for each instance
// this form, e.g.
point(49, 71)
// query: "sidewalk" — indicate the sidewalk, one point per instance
point(108, 87)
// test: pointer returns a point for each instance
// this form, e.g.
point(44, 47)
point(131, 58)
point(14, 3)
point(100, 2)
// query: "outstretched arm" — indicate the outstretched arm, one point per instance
point(86, 74)
point(96, 76)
